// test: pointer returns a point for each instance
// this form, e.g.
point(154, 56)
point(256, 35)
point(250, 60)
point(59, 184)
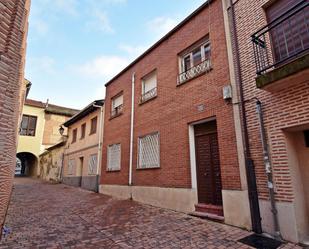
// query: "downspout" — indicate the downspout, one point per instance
point(268, 170)
point(131, 132)
point(250, 171)
point(100, 144)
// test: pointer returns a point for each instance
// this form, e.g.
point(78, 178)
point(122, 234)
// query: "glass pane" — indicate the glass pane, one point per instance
point(24, 123)
point(187, 63)
point(197, 56)
point(32, 122)
point(207, 51)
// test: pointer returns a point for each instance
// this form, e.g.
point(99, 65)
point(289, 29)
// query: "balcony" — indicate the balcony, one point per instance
point(148, 95)
point(117, 111)
point(281, 48)
point(203, 67)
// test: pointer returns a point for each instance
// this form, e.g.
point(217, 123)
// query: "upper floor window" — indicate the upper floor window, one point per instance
point(83, 131)
point(194, 61)
point(149, 86)
point(148, 151)
point(28, 125)
point(117, 105)
point(93, 127)
point(284, 38)
point(114, 157)
point(74, 135)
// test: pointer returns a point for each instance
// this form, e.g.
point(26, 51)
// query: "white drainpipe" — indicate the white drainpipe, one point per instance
point(101, 131)
point(132, 129)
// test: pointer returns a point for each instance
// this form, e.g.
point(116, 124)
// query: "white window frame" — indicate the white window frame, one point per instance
point(71, 165)
point(94, 170)
point(114, 107)
point(145, 78)
point(138, 151)
point(108, 166)
point(185, 55)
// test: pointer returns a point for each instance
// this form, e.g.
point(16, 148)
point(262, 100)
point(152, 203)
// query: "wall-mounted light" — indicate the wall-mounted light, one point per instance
point(61, 130)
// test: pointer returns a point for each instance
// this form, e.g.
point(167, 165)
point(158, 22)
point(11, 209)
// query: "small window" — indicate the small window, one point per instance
point(114, 157)
point(28, 125)
point(71, 166)
point(83, 131)
point(74, 135)
point(306, 135)
point(117, 105)
point(148, 151)
point(92, 165)
point(194, 62)
point(149, 87)
point(93, 127)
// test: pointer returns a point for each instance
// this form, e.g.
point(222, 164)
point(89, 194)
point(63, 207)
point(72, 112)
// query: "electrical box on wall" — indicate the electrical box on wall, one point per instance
point(227, 92)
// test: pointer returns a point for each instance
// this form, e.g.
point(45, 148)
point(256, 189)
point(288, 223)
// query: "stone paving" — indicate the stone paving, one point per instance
point(44, 215)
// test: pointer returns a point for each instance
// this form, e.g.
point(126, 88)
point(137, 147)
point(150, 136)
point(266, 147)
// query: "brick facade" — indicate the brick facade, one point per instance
point(175, 108)
point(285, 110)
point(13, 30)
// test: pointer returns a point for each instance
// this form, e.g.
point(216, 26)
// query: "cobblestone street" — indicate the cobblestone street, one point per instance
point(44, 215)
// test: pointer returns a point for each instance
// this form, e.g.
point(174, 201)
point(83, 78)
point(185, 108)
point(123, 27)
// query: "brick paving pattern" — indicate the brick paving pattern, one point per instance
point(44, 215)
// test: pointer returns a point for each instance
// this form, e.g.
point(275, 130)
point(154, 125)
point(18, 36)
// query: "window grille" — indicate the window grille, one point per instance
point(92, 165)
point(149, 151)
point(71, 166)
point(113, 157)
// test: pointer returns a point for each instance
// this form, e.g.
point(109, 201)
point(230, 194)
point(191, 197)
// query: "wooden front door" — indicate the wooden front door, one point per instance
point(208, 164)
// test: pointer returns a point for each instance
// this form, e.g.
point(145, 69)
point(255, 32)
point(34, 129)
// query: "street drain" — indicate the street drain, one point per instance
point(260, 242)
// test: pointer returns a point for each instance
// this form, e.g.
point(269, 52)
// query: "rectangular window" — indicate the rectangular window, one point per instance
point(149, 151)
point(83, 131)
point(71, 166)
point(149, 87)
point(117, 105)
point(74, 135)
point(114, 157)
point(194, 62)
point(93, 127)
point(28, 125)
point(92, 164)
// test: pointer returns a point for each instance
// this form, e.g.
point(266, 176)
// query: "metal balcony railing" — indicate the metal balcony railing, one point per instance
point(117, 111)
point(282, 40)
point(148, 95)
point(203, 67)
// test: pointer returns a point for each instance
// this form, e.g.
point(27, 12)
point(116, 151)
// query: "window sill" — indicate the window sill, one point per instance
point(112, 170)
point(193, 78)
point(115, 116)
point(149, 168)
point(147, 100)
point(92, 133)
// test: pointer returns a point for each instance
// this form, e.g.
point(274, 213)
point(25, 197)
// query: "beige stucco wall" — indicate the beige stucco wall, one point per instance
point(82, 147)
point(51, 133)
point(29, 143)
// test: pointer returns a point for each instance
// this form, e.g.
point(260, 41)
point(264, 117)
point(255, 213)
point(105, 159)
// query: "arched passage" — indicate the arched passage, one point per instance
point(27, 164)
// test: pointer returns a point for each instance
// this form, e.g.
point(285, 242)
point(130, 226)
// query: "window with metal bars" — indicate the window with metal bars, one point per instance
point(149, 151)
point(92, 164)
point(71, 165)
point(114, 157)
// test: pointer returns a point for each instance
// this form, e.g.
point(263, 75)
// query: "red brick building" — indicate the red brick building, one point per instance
point(176, 146)
point(270, 58)
point(13, 34)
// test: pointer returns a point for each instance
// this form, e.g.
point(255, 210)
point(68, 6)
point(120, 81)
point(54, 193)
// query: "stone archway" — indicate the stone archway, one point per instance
point(29, 164)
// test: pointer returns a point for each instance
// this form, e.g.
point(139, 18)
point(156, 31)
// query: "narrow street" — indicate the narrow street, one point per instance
point(44, 215)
